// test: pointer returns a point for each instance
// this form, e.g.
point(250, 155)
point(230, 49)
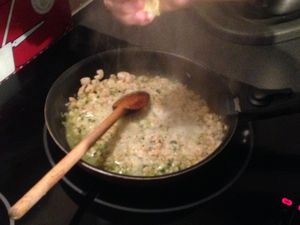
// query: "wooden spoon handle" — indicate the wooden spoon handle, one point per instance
point(22, 206)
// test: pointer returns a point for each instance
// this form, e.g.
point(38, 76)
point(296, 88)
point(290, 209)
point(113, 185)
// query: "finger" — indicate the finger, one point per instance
point(143, 18)
point(140, 18)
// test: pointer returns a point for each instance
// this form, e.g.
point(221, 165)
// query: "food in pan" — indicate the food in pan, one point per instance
point(177, 129)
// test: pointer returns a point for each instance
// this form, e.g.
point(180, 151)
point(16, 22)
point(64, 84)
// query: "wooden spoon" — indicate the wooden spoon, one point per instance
point(128, 103)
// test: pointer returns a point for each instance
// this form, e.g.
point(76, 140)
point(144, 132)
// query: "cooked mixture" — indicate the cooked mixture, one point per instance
point(176, 130)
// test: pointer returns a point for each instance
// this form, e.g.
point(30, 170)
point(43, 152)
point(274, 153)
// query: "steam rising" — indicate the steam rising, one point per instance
point(186, 33)
point(173, 32)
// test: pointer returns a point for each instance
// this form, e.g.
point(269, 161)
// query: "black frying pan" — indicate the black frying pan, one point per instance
point(212, 87)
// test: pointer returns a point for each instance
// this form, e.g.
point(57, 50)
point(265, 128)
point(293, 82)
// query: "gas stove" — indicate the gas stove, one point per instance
point(265, 192)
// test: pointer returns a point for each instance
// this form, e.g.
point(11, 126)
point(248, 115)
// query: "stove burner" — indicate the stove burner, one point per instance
point(81, 188)
point(4, 206)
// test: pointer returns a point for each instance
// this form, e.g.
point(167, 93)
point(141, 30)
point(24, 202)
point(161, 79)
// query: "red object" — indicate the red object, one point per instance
point(287, 202)
point(53, 18)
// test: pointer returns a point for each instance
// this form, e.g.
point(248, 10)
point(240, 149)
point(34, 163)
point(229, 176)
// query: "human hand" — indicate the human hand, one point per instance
point(134, 12)
point(130, 12)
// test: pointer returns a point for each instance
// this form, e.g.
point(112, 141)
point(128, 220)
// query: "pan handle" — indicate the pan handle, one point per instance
point(256, 104)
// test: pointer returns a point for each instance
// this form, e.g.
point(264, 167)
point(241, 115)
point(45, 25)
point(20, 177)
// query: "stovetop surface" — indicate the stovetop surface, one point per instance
point(255, 198)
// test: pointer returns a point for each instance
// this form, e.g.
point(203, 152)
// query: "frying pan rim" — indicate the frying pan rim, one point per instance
point(232, 124)
point(172, 208)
